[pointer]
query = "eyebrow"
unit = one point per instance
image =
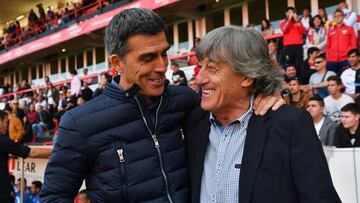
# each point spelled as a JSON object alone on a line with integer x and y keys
{"x": 153, "y": 53}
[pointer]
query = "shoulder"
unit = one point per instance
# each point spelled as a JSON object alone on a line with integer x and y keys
{"x": 287, "y": 115}
{"x": 331, "y": 73}
{"x": 327, "y": 98}
{"x": 182, "y": 96}
{"x": 347, "y": 98}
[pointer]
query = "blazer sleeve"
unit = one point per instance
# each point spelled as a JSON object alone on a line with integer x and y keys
{"x": 68, "y": 164}
{"x": 330, "y": 138}
{"x": 308, "y": 164}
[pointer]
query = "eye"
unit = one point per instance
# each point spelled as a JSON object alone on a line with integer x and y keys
{"x": 212, "y": 69}
{"x": 164, "y": 54}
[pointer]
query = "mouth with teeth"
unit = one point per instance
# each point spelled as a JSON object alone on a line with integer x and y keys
{"x": 207, "y": 92}
{"x": 157, "y": 81}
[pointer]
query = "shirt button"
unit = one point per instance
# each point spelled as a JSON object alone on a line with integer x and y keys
{"x": 127, "y": 94}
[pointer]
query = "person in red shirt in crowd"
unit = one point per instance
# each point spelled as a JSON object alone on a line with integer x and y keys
{"x": 340, "y": 40}
{"x": 293, "y": 32}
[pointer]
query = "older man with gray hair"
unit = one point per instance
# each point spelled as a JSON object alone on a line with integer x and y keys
{"x": 237, "y": 156}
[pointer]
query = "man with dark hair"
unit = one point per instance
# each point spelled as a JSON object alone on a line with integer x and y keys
{"x": 128, "y": 142}
{"x": 296, "y": 97}
{"x": 178, "y": 76}
{"x": 308, "y": 67}
{"x": 336, "y": 100}
{"x": 293, "y": 32}
{"x": 236, "y": 156}
{"x": 35, "y": 189}
{"x": 351, "y": 76}
{"x": 339, "y": 41}
{"x": 324, "y": 126}
{"x": 7, "y": 147}
{"x": 318, "y": 80}
{"x": 348, "y": 133}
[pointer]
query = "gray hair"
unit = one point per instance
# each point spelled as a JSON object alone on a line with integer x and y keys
{"x": 247, "y": 53}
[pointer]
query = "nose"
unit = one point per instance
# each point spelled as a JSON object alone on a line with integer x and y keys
{"x": 161, "y": 65}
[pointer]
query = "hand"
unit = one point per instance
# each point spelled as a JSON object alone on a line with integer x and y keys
{"x": 263, "y": 103}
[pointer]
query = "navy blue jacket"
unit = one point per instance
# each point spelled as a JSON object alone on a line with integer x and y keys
{"x": 107, "y": 143}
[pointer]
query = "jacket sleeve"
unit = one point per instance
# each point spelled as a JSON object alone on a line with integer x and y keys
{"x": 68, "y": 164}
{"x": 286, "y": 25}
{"x": 353, "y": 44}
{"x": 308, "y": 163}
{"x": 17, "y": 130}
{"x": 330, "y": 138}
{"x": 328, "y": 45}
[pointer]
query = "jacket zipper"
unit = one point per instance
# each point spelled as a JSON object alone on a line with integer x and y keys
{"x": 124, "y": 189}
{"x": 182, "y": 134}
{"x": 156, "y": 143}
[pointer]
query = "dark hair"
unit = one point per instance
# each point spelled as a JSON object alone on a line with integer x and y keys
{"x": 352, "y": 107}
{"x": 294, "y": 79}
{"x": 19, "y": 179}
{"x": 313, "y": 19}
{"x": 268, "y": 25}
{"x": 335, "y": 78}
{"x": 73, "y": 71}
{"x": 338, "y": 11}
{"x": 326, "y": 17}
{"x": 175, "y": 64}
{"x": 37, "y": 184}
{"x": 353, "y": 51}
{"x": 321, "y": 56}
{"x": 106, "y": 75}
{"x": 12, "y": 178}
{"x": 3, "y": 114}
{"x": 130, "y": 22}
{"x": 318, "y": 99}
{"x": 311, "y": 50}
{"x": 290, "y": 8}
{"x": 307, "y": 8}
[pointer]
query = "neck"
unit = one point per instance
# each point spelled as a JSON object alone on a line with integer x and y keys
{"x": 339, "y": 24}
{"x": 228, "y": 115}
{"x": 356, "y": 66}
{"x": 336, "y": 95}
{"x": 317, "y": 119}
{"x": 296, "y": 96}
{"x": 322, "y": 70}
{"x": 354, "y": 128}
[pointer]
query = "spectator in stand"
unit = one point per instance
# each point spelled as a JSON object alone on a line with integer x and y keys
{"x": 80, "y": 101}
{"x": 324, "y": 126}
{"x": 31, "y": 114}
{"x": 16, "y": 110}
{"x": 266, "y": 28}
{"x": 62, "y": 101}
{"x": 340, "y": 40}
{"x": 75, "y": 88}
{"x": 87, "y": 79}
{"x": 318, "y": 81}
{"x": 193, "y": 59}
{"x": 86, "y": 92}
{"x": 46, "y": 80}
{"x": 348, "y": 133}
{"x": 316, "y": 36}
{"x": 293, "y": 32}
{"x": 327, "y": 19}
{"x": 178, "y": 76}
{"x": 32, "y": 19}
{"x": 296, "y": 97}
{"x": 306, "y": 18}
{"x": 336, "y": 100}
{"x": 42, "y": 122}
{"x": 52, "y": 95}
{"x": 35, "y": 189}
{"x": 194, "y": 86}
{"x": 350, "y": 16}
{"x": 83, "y": 198}
{"x": 7, "y": 146}
{"x": 26, "y": 192}
{"x": 50, "y": 15}
{"x": 276, "y": 55}
{"x": 41, "y": 13}
{"x": 351, "y": 76}
{"x": 290, "y": 73}
{"x": 40, "y": 101}
{"x": 308, "y": 67}
{"x": 16, "y": 126}
{"x": 105, "y": 77}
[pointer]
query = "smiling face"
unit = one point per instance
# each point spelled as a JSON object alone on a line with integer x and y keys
{"x": 222, "y": 89}
{"x": 145, "y": 63}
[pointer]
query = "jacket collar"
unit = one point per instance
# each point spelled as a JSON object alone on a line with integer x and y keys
{"x": 114, "y": 91}
{"x": 257, "y": 134}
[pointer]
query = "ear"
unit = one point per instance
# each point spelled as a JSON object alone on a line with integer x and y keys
{"x": 116, "y": 62}
{"x": 247, "y": 82}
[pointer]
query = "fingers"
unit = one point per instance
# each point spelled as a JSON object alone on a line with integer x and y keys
{"x": 278, "y": 104}
{"x": 265, "y": 105}
{"x": 257, "y": 101}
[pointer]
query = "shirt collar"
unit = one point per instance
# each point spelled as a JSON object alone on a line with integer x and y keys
{"x": 242, "y": 118}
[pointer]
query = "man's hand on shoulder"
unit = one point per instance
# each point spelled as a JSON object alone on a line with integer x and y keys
{"x": 263, "y": 103}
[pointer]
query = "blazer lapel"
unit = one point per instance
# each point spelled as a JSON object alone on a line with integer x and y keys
{"x": 257, "y": 133}
{"x": 202, "y": 133}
